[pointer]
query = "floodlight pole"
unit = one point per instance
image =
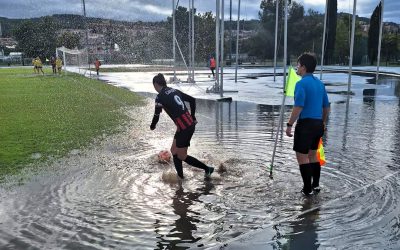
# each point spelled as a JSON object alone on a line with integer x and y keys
{"x": 192, "y": 11}
{"x": 353, "y": 26}
{"x": 276, "y": 36}
{"x": 87, "y": 36}
{"x": 230, "y": 32}
{"x": 173, "y": 38}
{"x": 217, "y": 23}
{"x": 323, "y": 40}
{"x": 380, "y": 41}
{"x": 237, "y": 42}
{"x": 285, "y": 46}
{"x": 221, "y": 89}
{"x": 190, "y": 41}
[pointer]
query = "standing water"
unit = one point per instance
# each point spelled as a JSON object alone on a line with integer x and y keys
{"x": 117, "y": 195}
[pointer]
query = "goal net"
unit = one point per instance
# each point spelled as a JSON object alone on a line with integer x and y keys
{"x": 74, "y": 60}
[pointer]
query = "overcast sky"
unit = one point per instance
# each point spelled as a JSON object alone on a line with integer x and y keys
{"x": 149, "y": 10}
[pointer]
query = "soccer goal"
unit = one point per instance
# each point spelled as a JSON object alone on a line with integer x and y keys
{"x": 74, "y": 60}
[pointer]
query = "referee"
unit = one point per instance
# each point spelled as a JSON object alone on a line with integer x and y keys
{"x": 311, "y": 109}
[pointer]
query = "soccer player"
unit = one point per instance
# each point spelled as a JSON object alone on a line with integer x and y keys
{"x": 39, "y": 65}
{"x": 59, "y": 64}
{"x": 172, "y": 101}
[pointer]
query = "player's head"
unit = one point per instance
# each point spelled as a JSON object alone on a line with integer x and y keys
{"x": 307, "y": 61}
{"x": 159, "y": 82}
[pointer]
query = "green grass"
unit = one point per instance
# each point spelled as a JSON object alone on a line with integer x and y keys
{"x": 48, "y": 116}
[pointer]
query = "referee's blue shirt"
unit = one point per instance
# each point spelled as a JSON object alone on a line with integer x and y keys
{"x": 310, "y": 94}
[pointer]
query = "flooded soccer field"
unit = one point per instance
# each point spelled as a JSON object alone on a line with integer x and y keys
{"x": 117, "y": 195}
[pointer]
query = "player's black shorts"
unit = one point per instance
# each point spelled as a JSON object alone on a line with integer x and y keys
{"x": 183, "y": 137}
{"x": 307, "y": 134}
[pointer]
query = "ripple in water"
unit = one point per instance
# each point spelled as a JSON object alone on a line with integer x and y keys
{"x": 119, "y": 196}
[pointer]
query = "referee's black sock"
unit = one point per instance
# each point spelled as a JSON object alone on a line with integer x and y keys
{"x": 316, "y": 172}
{"x": 195, "y": 163}
{"x": 178, "y": 166}
{"x": 306, "y": 173}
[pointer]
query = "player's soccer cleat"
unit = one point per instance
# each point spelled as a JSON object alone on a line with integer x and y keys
{"x": 209, "y": 172}
{"x": 316, "y": 190}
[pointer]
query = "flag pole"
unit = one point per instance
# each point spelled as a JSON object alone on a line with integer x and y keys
{"x": 284, "y": 91}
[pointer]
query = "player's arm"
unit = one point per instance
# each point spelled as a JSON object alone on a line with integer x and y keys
{"x": 156, "y": 116}
{"x": 192, "y": 102}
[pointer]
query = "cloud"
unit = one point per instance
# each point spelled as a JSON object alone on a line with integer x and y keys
{"x": 156, "y": 10}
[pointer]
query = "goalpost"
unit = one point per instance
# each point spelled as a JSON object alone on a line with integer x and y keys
{"x": 74, "y": 60}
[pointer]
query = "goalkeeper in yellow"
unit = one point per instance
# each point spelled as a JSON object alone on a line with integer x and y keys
{"x": 59, "y": 64}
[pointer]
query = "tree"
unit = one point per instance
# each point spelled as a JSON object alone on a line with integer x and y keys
{"x": 342, "y": 41}
{"x": 389, "y": 46}
{"x": 330, "y": 36}
{"x": 69, "y": 40}
{"x": 343, "y": 36}
{"x": 373, "y": 34}
{"x": 300, "y": 37}
{"x": 204, "y": 28}
{"x": 37, "y": 39}
{"x": 204, "y": 36}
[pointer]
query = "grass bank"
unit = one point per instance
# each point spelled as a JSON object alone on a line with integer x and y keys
{"x": 45, "y": 117}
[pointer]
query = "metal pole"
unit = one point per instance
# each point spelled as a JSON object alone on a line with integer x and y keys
{"x": 323, "y": 40}
{"x": 173, "y": 37}
{"x": 230, "y": 31}
{"x": 190, "y": 43}
{"x": 180, "y": 51}
{"x": 285, "y": 46}
{"x": 237, "y": 42}
{"x": 276, "y": 35}
{"x": 353, "y": 27}
{"x": 192, "y": 40}
{"x": 217, "y": 23}
{"x": 380, "y": 41}
{"x": 221, "y": 93}
{"x": 65, "y": 62}
{"x": 87, "y": 36}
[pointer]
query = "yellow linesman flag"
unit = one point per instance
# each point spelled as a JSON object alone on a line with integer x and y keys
{"x": 321, "y": 153}
{"x": 291, "y": 81}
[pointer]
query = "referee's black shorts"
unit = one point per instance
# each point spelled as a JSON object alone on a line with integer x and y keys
{"x": 183, "y": 137}
{"x": 307, "y": 134}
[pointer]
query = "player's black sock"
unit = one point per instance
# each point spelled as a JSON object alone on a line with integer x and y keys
{"x": 195, "y": 163}
{"x": 306, "y": 173}
{"x": 178, "y": 166}
{"x": 316, "y": 172}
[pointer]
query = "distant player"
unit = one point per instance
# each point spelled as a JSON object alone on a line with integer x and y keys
{"x": 39, "y": 65}
{"x": 97, "y": 65}
{"x": 53, "y": 64}
{"x": 212, "y": 65}
{"x": 59, "y": 64}
{"x": 172, "y": 101}
{"x": 35, "y": 70}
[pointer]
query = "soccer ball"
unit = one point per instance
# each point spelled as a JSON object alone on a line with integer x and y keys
{"x": 164, "y": 156}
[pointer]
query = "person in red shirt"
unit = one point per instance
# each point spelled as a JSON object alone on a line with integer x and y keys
{"x": 212, "y": 65}
{"x": 97, "y": 65}
{"x": 172, "y": 101}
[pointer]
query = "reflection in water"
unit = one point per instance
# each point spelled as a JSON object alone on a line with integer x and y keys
{"x": 304, "y": 229}
{"x": 181, "y": 234}
{"x": 114, "y": 197}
